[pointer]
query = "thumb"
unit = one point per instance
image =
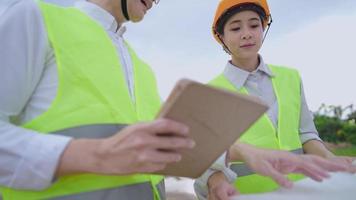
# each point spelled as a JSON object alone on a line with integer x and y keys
{"x": 232, "y": 192}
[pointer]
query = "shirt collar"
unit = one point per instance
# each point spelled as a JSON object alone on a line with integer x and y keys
{"x": 238, "y": 76}
{"x": 263, "y": 67}
{"x": 101, "y": 16}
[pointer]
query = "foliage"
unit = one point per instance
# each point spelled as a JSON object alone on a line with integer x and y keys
{"x": 333, "y": 126}
{"x": 348, "y": 151}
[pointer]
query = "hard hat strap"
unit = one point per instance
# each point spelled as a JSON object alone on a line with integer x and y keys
{"x": 124, "y": 9}
{"x": 268, "y": 27}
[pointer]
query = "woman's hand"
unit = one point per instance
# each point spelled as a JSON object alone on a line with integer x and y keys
{"x": 350, "y": 162}
{"x": 276, "y": 164}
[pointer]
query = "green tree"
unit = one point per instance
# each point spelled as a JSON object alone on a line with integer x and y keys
{"x": 329, "y": 128}
{"x": 333, "y": 126}
{"x": 352, "y": 116}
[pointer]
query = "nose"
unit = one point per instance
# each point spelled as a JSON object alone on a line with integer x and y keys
{"x": 246, "y": 34}
{"x": 149, "y": 4}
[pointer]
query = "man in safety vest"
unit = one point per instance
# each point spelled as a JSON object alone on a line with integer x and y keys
{"x": 72, "y": 95}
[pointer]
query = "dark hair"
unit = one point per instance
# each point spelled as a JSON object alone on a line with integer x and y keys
{"x": 233, "y": 10}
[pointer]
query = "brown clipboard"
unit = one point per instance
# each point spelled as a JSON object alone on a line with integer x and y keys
{"x": 216, "y": 119}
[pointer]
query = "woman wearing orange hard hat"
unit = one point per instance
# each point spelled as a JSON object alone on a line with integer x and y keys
{"x": 240, "y": 26}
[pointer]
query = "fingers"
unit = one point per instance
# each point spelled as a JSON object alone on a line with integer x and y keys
{"x": 353, "y": 167}
{"x": 142, "y": 149}
{"x": 154, "y": 160}
{"x": 161, "y": 134}
{"x": 166, "y": 126}
{"x": 222, "y": 192}
{"x": 349, "y": 162}
{"x": 354, "y": 162}
{"x": 312, "y": 170}
{"x": 156, "y": 156}
{"x": 154, "y": 142}
{"x": 278, "y": 177}
{"x": 172, "y": 143}
{"x": 341, "y": 159}
{"x": 222, "y": 195}
{"x": 232, "y": 191}
{"x": 311, "y": 175}
{"x": 328, "y": 165}
{"x": 174, "y": 138}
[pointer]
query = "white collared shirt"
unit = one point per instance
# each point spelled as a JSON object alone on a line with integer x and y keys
{"x": 28, "y": 85}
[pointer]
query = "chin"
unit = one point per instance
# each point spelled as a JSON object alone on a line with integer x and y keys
{"x": 247, "y": 55}
{"x": 136, "y": 19}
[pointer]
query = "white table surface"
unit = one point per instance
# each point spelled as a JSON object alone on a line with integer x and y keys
{"x": 340, "y": 186}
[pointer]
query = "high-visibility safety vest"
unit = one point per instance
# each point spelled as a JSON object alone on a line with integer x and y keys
{"x": 286, "y": 84}
{"x": 92, "y": 101}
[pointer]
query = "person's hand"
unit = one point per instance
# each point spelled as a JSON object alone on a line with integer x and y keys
{"x": 140, "y": 148}
{"x": 276, "y": 164}
{"x": 350, "y": 162}
{"x": 220, "y": 188}
{"x": 317, "y": 147}
{"x": 223, "y": 191}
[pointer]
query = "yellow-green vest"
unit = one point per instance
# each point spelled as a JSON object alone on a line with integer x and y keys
{"x": 91, "y": 92}
{"x": 286, "y": 85}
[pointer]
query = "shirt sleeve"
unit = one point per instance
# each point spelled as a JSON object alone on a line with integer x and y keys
{"x": 201, "y": 183}
{"x": 28, "y": 160}
{"x": 307, "y": 127}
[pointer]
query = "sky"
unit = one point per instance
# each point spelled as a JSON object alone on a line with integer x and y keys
{"x": 317, "y": 37}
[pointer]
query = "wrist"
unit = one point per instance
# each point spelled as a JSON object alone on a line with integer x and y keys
{"x": 241, "y": 152}
{"x": 216, "y": 179}
{"x": 80, "y": 156}
{"x": 328, "y": 155}
{"x": 317, "y": 147}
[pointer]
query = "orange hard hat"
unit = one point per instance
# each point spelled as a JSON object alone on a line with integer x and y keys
{"x": 226, "y": 5}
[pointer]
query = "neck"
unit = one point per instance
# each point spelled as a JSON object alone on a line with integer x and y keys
{"x": 247, "y": 64}
{"x": 113, "y": 7}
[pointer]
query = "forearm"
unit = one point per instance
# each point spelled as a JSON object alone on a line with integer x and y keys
{"x": 28, "y": 159}
{"x": 317, "y": 147}
{"x": 239, "y": 151}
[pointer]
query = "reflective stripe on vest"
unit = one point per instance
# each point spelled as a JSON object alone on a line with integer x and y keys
{"x": 92, "y": 131}
{"x": 130, "y": 192}
{"x": 91, "y": 90}
{"x": 286, "y": 85}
